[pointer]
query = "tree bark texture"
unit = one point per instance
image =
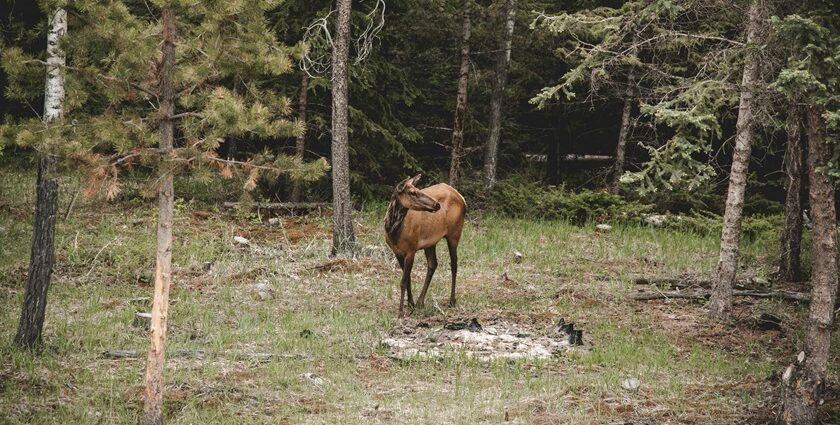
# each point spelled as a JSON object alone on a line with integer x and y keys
{"x": 491, "y": 152}
{"x": 153, "y": 403}
{"x": 791, "y": 241}
{"x": 46, "y": 199}
{"x": 621, "y": 146}
{"x": 344, "y": 240}
{"x": 461, "y": 102}
{"x": 804, "y": 381}
{"x": 300, "y": 141}
{"x": 720, "y": 304}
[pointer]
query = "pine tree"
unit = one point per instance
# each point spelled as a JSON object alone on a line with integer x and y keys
{"x": 131, "y": 91}
{"x": 502, "y": 67}
{"x": 720, "y": 302}
{"x": 457, "y": 144}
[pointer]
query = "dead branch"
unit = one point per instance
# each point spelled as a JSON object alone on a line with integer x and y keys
{"x": 664, "y": 295}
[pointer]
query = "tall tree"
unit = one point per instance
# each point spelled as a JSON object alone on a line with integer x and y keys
{"x": 720, "y": 302}
{"x": 813, "y": 76}
{"x": 153, "y": 404}
{"x": 502, "y": 68}
{"x": 791, "y": 240}
{"x": 344, "y": 239}
{"x": 46, "y": 200}
{"x": 461, "y": 100}
{"x": 804, "y": 381}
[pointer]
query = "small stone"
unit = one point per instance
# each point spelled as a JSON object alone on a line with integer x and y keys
{"x": 655, "y": 220}
{"x": 264, "y": 291}
{"x": 313, "y": 379}
{"x": 273, "y": 221}
{"x": 631, "y": 384}
{"x": 241, "y": 242}
{"x": 603, "y": 228}
{"x": 142, "y": 320}
{"x": 517, "y": 257}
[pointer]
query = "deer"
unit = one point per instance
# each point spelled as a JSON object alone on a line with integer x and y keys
{"x": 418, "y": 219}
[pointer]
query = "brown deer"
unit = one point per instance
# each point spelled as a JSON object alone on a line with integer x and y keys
{"x": 418, "y": 219}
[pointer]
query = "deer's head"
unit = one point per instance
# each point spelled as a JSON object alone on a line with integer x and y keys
{"x": 411, "y": 198}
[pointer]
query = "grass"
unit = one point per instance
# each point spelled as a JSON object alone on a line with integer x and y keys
{"x": 331, "y": 314}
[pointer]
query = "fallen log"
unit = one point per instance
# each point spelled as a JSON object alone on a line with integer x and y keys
{"x": 116, "y": 354}
{"x": 286, "y": 206}
{"x": 663, "y": 295}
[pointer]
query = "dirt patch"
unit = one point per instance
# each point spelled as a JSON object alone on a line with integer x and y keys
{"x": 496, "y": 339}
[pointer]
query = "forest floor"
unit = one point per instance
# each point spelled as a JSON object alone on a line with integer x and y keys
{"x": 281, "y": 333}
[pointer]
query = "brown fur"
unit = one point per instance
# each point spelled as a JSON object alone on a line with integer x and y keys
{"x": 419, "y": 219}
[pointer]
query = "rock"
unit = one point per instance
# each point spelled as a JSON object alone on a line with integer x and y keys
{"x": 655, "y": 220}
{"x": 631, "y": 384}
{"x": 264, "y": 291}
{"x": 376, "y": 251}
{"x": 761, "y": 281}
{"x": 313, "y": 379}
{"x": 517, "y": 257}
{"x": 142, "y": 320}
{"x": 241, "y": 242}
{"x": 274, "y": 221}
{"x": 603, "y": 228}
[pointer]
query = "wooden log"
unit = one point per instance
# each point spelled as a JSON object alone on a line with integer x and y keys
{"x": 787, "y": 295}
{"x": 288, "y": 206}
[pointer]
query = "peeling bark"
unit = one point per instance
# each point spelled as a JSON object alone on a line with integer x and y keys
{"x": 461, "y": 102}
{"x": 153, "y": 403}
{"x": 42, "y": 255}
{"x": 491, "y": 152}
{"x": 344, "y": 240}
{"x": 720, "y": 304}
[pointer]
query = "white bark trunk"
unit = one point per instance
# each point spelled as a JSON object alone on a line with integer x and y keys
{"x": 54, "y": 87}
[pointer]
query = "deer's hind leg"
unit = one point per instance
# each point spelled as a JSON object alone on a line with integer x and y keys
{"x": 431, "y": 266}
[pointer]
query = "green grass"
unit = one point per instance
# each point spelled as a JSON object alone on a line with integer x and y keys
{"x": 331, "y": 319}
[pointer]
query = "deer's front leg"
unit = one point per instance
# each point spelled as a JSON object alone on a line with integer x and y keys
{"x": 405, "y": 283}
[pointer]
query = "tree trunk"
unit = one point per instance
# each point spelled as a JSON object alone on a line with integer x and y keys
{"x": 502, "y": 67}
{"x": 152, "y": 409}
{"x": 789, "y": 261}
{"x": 461, "y": 102}
{"x": 804, "y": 381}
{"x": 46, "y": 199}
{"x": 720, "y": 304}
{"x": 344, "y": 240}
{"x": 300, "y": 142}
{"x": 621, "y": 147}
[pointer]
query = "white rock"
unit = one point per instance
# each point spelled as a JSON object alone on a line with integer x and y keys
{"x": 313, "y": 379}
{"x": 241, "y": 241}
{"x": 603, "y": 228}
{"x": 273, "y": 221}
{"x": 655, "y": 220}
{"x": 631, "y": 384}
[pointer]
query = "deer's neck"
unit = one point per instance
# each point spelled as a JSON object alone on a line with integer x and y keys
{"x": 394, "y": 219}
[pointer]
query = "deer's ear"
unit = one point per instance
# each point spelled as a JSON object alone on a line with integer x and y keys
{"x": 401, "y": 185}
{"x": 415, "y": 179}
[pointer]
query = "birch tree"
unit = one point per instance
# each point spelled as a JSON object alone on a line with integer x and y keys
{"x": 46, "y": 199}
